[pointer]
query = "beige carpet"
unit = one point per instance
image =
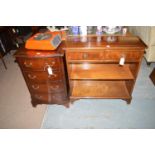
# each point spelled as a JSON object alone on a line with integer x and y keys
{"x": 16, "y": 110}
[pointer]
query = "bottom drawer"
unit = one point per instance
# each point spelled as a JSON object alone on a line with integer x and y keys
{"x": 49, "y": 97}
{"x": 53, "y": 87}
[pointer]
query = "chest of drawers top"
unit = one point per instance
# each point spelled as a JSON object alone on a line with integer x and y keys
{"x": 25, "y": 53}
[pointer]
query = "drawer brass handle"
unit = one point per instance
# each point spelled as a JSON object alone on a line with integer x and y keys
{"x": 31, "y": 76}
{"x": 85, "y": 56}
{"x": 35, "y": 86}
{"x": 54, "y": 87}
{"x": 38, "y": 96}
{"x": 55, "y": 75}
{"x": 28, "y": 64}
{"x": 54, "y": 97}
{"x": 53, "y": 62}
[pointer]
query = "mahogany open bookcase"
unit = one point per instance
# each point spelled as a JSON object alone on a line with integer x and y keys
{"x": 95, "y": 69}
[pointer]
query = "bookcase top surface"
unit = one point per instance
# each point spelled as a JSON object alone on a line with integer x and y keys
{"x": 104, "y": 42}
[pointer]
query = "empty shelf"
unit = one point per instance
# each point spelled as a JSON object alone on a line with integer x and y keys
{"x": 100, "y": 71}
{"x": 99, "y": 89}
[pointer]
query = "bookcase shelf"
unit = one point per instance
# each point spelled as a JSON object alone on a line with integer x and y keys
{"x": 100, "y": 72}
{"x": 99, "y": 89}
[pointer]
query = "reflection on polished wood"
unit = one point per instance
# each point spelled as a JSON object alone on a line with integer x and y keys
{"x": 99, "y": 89}
{"x": 100, "y": 71}
{"x": 123, "y": 42}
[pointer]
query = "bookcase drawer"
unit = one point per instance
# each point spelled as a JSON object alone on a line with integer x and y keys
{"x": 85, "y": 55}
{"x": 131, "y": 56}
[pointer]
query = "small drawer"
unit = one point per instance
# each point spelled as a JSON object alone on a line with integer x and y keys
{"x": 38, "y": 87}
{"x": 92, "y": 55}
{"x": 41, "y": 97}
{"x": 56, "y": 87}
{"x": 130, "y": 56}
{"x": 46, "y": 88}
{"x": 42, "y": 77}
{"x": 39, "y": 64}
{"x": 50, "y": 97}
{"x": 58, "y": 96}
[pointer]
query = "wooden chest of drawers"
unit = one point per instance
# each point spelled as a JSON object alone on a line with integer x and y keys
{"x": 44, "y": 87}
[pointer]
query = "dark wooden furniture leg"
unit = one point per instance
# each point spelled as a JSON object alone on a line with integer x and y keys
{"x": 128, "y": 101}
{"x": 3, "y": 61}
{"x": 72, "y": 101}
{"x": 152, "y": 76}
{"x": 67, "y": 105}
{"x": 34, "y": 102}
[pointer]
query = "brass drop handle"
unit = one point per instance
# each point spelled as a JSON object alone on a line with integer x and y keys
{"x": 55, "y": 75}
{"x": 54, "y": 97}
{"x": 31, "y": 76}
{"x": 85, "y": 55}
{"x": 28, "y": 64}
{"x": 53, "y": 62}
{"x": 54, "y": 87}
{"x": 35, "y": 86}
{"x": 38, "y": 96}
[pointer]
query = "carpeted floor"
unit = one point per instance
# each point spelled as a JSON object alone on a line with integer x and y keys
{"x": 113, "y": 114}
{"x": 16, "y": 110}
